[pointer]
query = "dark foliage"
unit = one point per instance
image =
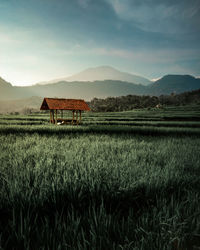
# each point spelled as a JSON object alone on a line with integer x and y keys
{"x": 129, "y": 102}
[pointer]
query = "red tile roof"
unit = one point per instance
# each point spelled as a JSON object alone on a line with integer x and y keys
{"x": 64, "y": 104}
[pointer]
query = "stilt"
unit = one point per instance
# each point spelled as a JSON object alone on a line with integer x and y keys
{"x": 53, "y": 116}
{"x": 80, "y": 116}
{"x": 73, "y": 117}
{"x": 56, "y": 117}
{"x": 76, "y": 116}
{"x": 50, "y": 116}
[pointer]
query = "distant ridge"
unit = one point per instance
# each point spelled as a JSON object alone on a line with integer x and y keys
{"x": 175, "y": 84}
{"x": 87, "y": 90}
{"x": 102, "y": 73}
{"x": 119, "y": 103}
{"x": 4, "y": 84}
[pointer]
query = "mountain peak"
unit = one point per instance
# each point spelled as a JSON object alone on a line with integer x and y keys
{"x": 102, "y": 73}
{"x": 101, "y": 88}
{"x": 104, "y": 67}
{"x": 175, "y": 83}
{"x": 170, "y": 77}
{"x": 107, "y": 73}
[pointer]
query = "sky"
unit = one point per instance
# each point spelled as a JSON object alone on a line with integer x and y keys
{"x": 41, "y": 40}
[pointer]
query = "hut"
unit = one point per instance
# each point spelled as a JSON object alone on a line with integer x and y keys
{"x": 57, "y": 105}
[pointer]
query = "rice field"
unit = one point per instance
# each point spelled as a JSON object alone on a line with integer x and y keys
{"x": 124, "y": 180}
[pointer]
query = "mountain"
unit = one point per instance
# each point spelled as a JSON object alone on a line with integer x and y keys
{"x": 6, "y": 90}
{"x": 103, "y": 73}
{"x": 100, "y": 89}
{"x": 119, "y": 103}
{"x": 174, "y": 84}
{"x": 22, "y": 97}
{"x": 4, "y": 84}
{"x": 83, "y": 90}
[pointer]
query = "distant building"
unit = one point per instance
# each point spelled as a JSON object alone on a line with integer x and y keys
{"x": 57, "y": 104}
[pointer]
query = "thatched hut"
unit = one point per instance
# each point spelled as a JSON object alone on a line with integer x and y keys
{"x": 56, "y": 105}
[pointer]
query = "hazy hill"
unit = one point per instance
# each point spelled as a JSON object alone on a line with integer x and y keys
{"x": 100, "y": 89}
{"x": 84, "y": 90}
{"x": 20, "y": 105}
{"x": 174, "y": 84}
{"x": 7, "y": 91}
{"x": 103, "y": 73}
{"x": 120, "y": 103}
{"x": 4, "y": 84}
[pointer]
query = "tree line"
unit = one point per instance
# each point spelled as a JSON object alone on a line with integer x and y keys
{"x": 129, "y": 102}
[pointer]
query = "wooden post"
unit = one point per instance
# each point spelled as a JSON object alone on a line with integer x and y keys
{"x": 73, "y": 117}
{"x": 53, "y": 116}
{"x": 76, "y": 116}
{"x": 50, "y": 116}
{"x": 56, "y": 117}
{"x": 80, "y": 116}
{"x": 62, "y": 114}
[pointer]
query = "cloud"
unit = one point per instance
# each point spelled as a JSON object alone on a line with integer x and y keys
{"x": 84, "y": 3}
{"x": 150, "y": 56}
{"x": 46, "y": 37}
{"x": 160, "y": 16}
{"x": 8, "y": 39}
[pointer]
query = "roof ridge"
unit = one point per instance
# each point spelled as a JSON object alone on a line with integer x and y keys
{"x": 65, "y": 104}
{"x": 64, "y": 99}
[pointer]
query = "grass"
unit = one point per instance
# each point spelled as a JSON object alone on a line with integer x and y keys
{"x": 99, "y": 186}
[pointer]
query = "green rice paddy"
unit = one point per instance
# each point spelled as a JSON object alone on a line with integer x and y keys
{"x": 124, "y": 180}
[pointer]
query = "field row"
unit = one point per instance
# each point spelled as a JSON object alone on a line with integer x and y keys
{"x": 98, "y": 191}
{"x": 127, "y": 180}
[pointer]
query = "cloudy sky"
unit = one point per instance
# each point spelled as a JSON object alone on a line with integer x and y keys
{"x": 47, "y": 39}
